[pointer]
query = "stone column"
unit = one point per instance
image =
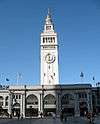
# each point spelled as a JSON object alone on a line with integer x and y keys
{"x": 88, "y": 105}
{"x": 77, "y": 111}
{"x": 91, "y": 107}
{"x": 40, "y": 105}
{"x": 10, "y": 103}
{"x": 89, "y": 101}
{"x": 4, "y": 101}
{"x": 58, "y": 104}
{"x": 22, "y": 105}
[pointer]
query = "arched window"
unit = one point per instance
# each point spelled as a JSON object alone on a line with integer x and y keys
{"x": 49, "y": 99}
{"x": 32, "y": 99}
{"x": 16, "y": 105}
{"x": 67, "y": 98}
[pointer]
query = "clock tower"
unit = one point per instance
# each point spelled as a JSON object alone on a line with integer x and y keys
{"x": 49, "y": 54}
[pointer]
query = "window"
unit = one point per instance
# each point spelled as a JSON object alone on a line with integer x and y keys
{"x": 79, "y": 95}
{"x": 19, "y": 96}
{"x": 16, "y": 96}
{"x": 32, "y": 99}
{"x": 51, "y": 39}
{"x": 49, "y": 99}
{"x": 48, "y": 27}
{"x": 82, "y": 95}
{"x": 49, "y": 66}
{"x": 43, "y": 40}
{"x": 54, "y": 39}
{"x": 44, "y": 74}
{"x": 6, "y": 101}
{"x": 1, "y": 103}
{"x": 46, "y": 40}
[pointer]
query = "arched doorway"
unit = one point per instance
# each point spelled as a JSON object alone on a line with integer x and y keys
{"x": 67, "y": 105}
{"x": 16, "y": 109}
{"x": 31, "y": 106}
{"x": 6, "y": 104}
{"x": 49, "y": 103}
{"x": 83, "y": 108}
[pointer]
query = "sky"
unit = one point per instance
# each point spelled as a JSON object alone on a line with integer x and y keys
{"x": 77, "y": 23}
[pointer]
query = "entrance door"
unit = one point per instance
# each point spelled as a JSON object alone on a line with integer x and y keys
{"x": 83, "y": 108}
{"x": 49, "y": 111}
{"x": 16, "y": 112}
{"x": 68, "y": 111}
{"x": 31, "y": 112}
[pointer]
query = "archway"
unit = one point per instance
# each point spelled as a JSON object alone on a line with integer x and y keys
{"x": 16, "y": 109}
{"x": 67, "y": 105}
{"x": 31, "y": 106}
{"x": 83, "y": 108}
{"x": 5, "y": 111}
{"x": 49, "y": 104}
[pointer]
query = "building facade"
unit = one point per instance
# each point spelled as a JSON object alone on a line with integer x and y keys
{"x": 50, "y": 97}
{"x": 30, "y": 101}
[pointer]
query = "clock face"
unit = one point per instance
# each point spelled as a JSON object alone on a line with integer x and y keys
{"x": 50, "y": 58}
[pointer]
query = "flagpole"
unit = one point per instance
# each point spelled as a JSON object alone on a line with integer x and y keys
{"x": 82, "y": 76}
{"x": 94, "y": 80}
{"x": 17, "y": 78}
{"x": 82, "y": 79}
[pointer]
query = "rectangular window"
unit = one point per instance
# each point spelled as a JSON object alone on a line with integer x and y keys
{"x": 1, "y": 103}
{"x": 43, "y": 40}
{"x": 16, "y": 96}
{"x": 85, "y": 95}
{"x": 79, "y": 95}
{"x": 54, "y": 39}
{"x": 19, "y": 96}
{"x": 6, "y": 103}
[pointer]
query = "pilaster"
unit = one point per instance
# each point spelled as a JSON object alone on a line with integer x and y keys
{"x": 22, "y": 105}
{"x": 77, "y": 110}
{"x": 40, "y": 109}
{"x": 58, "y": 104}
{"x": 10, "y": 103}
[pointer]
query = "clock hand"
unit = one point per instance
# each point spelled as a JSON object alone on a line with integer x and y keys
{"x": 51, "y": 76}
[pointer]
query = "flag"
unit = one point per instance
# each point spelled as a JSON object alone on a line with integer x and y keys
{"x": 82, "y": 75}
{"x": 93, "y": 78}
{"x": 7, "y": 79}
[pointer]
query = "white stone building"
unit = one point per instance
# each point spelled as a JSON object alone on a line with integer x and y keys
{"x": 49, "y": 97}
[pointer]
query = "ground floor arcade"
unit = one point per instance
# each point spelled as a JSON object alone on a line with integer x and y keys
{"x": 47, "y": 101}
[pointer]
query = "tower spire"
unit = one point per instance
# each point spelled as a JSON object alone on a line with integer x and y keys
{"x": 49, "y": 13}
{"x": 48, "y": 18}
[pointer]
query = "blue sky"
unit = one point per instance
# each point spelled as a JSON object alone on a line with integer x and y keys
{"x": 77, "y": 23}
